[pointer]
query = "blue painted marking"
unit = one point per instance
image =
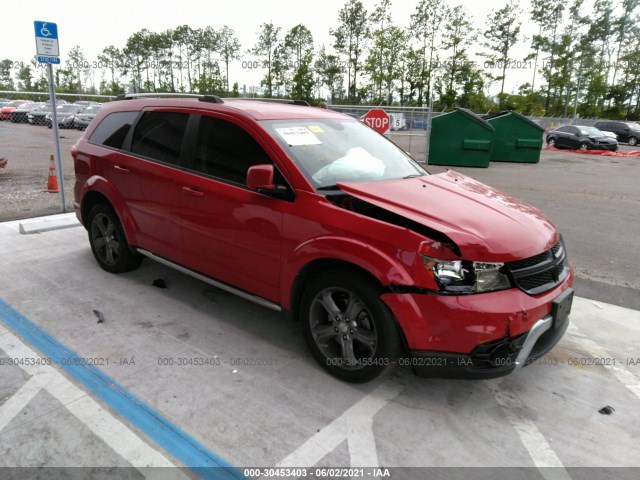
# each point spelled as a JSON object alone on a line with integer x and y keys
{"x": 167, "y": 435}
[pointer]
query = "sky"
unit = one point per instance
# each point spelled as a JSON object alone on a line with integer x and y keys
{"x": 113, "y": 22}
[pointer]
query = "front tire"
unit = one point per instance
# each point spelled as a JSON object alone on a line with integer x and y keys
{"x": 633, "y": 141}
{"x": 349, "y": 330}
{"x": 108, "y": 242}
{"x": 551, "y": 142}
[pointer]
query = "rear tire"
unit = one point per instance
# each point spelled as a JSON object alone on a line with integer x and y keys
{"x": 633, "y": 141}
{"x": 349, "y": 330}
{"x": 108, "y": 242}
{"x": 584, "y": 146}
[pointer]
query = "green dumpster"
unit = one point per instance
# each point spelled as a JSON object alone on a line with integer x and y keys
{"x": 460, "y": 138}
{"x": 517, "y": 139}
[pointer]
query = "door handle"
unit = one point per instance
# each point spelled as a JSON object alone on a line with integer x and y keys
{"x": 121, "y": 169}
{"x": 193, "y": 191}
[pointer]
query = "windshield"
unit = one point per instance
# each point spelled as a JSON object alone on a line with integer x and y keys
{"x": 633, "y": 126}
{"x": 591, "y": 132}
{"x": 329, "y": 151}
{"x": 95, "y": 109}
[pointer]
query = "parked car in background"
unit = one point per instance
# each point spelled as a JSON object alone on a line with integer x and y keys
{"x": 19, "y": 115}
{"x": 627, "y": 132}
{"x": 86, "y": 103}
{"x": 578, "y": 137}
{"x": 609, "y": 134}
{"x": 309, "y": 212}
{"x": 65, "y": 114}
{"x": 82, "y": 119}
{"x": 5, "y": 112}
{"x": 38, "y": 116}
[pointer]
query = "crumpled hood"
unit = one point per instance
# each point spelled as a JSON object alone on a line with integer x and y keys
{"x": 486, "y": 224}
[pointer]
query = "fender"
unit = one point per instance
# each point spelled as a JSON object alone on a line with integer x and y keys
{"x": 100, "y": 184}
{"x": 386, "y": 269}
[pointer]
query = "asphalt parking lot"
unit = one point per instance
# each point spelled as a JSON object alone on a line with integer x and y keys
{"x": 192, "y": 376}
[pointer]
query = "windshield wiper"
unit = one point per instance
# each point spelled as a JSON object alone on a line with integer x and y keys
{"x": 414, "y": 175}
{"x": 329, "y": 187}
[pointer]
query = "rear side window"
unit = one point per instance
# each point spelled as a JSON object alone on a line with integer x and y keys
{"x": 159, "y": 135}
{"x": 226, "y": 151}
{"x": 113, "y": 129}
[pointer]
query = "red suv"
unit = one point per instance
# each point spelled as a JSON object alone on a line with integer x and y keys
{"x": 314, "y": 214}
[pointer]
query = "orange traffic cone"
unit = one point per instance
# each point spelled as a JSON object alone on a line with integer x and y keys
{"x": 52, "y": 179}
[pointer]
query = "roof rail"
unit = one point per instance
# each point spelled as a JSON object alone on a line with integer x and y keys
{"x": 202, "y": 98}
{"x": 276, "y": 100}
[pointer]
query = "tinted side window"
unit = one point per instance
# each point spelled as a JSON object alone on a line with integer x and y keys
{"x": 226, "y": 151}
{"x": 565, "y": 129}
{"x": 113, "y": 129}
{"x": 159, "y": 135}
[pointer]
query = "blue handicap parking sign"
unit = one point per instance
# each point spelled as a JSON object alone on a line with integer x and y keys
{"x": 46, "y": 29}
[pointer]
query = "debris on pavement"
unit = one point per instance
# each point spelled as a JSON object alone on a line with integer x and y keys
{"x": 100, "y": 316}
{"x": 160, "y": 283}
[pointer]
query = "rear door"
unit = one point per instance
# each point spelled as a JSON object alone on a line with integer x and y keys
{"x": 230, "y": 232}
{"x": 145, "y": 176}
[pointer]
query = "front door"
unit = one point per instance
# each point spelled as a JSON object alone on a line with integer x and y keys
{"x": 229, "y": 232}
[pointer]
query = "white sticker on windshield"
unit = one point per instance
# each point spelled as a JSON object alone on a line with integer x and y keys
{"x": 296, "y": 136}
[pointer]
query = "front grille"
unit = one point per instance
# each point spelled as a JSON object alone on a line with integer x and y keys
{"x": 541, "y": 272}
{"x": 531, "y": 261}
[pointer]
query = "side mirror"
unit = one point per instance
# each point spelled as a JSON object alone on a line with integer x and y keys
{"x": 260, "y": 179}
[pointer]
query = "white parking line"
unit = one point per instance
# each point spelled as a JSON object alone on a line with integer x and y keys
{"x": 623, "y": 375}
{"x": 541, "y": 453}
{"x": 112, "y": 431}
{"x": 14, "y": 405}
{"x": 354, "y": 425}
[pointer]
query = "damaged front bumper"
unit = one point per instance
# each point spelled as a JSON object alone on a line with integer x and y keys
{"x": 494, "y": 359}
{"x": 480, "y": 336}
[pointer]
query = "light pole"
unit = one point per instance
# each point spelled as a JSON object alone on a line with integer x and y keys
{"x": 575, "y": 103}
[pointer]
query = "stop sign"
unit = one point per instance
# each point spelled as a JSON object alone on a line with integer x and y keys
{"x": 377, "y": 119}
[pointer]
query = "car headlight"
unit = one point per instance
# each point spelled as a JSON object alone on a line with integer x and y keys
{"x": 464, "y": 276}
{"x": 47, "y": 116}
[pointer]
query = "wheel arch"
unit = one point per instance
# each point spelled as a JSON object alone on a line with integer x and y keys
{"x": 97, "y": 190}
{"x": 320, "y": 265}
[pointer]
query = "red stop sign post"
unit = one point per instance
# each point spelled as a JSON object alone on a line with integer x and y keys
{"x": 377, "y": 119}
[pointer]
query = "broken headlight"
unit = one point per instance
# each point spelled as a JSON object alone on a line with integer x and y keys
{"x": 464, "y": 276}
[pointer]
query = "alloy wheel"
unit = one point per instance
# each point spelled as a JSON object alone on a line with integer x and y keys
{"x": 342, "y": 328}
